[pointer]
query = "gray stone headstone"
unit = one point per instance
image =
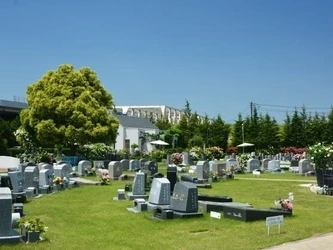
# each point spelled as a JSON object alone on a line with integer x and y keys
{"x": 203, "y": 170}
{"x": 63, "y": 171}
{"x": 125, "y": 163}
{"x": 23, "y": 165}
{"x": 5, "y": 211}
{"x": 168, "y": 159}
{"x": 273, "y": 164}
{"x": 186, "y": 158}
{"x": 16, "y": 178}
{"x": 185, "y": 197}
{"x": 232, "y": 163}
{"x": 211, "y": 164}
{"x": 219, "y": 168}
{"x": 134, "y": 165}
{"x": 115, "y": 170}
{"x": 160, "y": 191}
{"x": 152, "y": 167}
{"x": 304, "y": 166}
{"x": 44, "y": 165}
{"x": 142, "y": 163}
{"x": 31, "y": 177}
{"x": 139, "y": 184}
{"x": 264, "y": 164}
{"x": 252, "y": 164}
{"x": 45, "y": 177}
{"x": 98, "y": 164}
{"x": 294, "y": 163}
{"x": 84, "y": 167}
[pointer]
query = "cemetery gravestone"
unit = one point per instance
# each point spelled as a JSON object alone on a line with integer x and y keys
{"x": 252, "y": 164}
{"x": 203, "y": 170}
{"x": 152, "y": 167}
{"x": 159, "y": 193}
{"x": 168, "y": 159}
{"x": 134, "y": 165}
{"x": 232, "y": 163}
{"x": 45, "y": 177}
{"x": 84, "y": 167}
{"x": 6, "y": 233}
{"x": 219, "y": 168}
{"x": 125, "y": 164}
{"x": 184, "y": 201}
{"x": 23, "y": 166}
{"x": 264, "y": 164}
{"x": 294, "y": 166}
{"x": 142, "y": 163}
{"x": 273, "y": 165}
{"x": 186, "y": 158}
{"x": 44, "y": 165}
{"x": 63, "y": 171}
{"x": 172, "y": 177}
{"x": 31, "y": 177}
{"x": 138, "y": 187}
{"x": 115, "y": 170}
{"x": 16, "y": 179}
{"x": 304, "y": 166}
{"x": 98, "y": 164}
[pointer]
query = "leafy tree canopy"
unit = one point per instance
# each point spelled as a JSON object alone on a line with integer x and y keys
{"x": 68, "y": 106}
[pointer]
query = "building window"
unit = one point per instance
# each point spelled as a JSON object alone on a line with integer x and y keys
{"x": 127, "y": 144}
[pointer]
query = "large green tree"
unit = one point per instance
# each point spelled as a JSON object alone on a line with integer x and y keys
{"x": 68, "y": 106}
{"x": 237, "y": 131}
{"x": 219, "y": 133}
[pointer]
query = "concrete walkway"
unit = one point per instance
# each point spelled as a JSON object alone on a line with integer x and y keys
{"x": 320, "y": 242}
{"x": 266, "y": 179}
{"x": 84, "y": 181}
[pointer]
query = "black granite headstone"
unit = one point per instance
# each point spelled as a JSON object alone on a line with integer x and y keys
{"x": 151, "y": 166}
{"x": 184, "y": 198}
{"x": 172, "y": 177}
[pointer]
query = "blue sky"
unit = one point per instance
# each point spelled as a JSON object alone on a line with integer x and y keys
{"x": 220, "y": 55}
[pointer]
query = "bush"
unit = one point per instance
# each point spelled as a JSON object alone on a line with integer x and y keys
{"x": 158, "y": 155}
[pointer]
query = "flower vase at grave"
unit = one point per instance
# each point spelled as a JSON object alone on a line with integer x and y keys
{"x": 60, "y": 187}
{"x": 33, "y": 236}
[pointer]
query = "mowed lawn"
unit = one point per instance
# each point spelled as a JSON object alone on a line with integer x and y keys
{"x": 88, "y": 218}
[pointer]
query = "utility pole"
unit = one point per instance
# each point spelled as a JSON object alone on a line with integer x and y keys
{"x": 251, "y": 109}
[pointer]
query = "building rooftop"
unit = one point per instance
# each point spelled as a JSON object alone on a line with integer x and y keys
{"x": 135, "y": 122}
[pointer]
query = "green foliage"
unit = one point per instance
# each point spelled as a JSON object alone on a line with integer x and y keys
{"x": 196, "y": 153}
{"x": 158, "y": 155}
{"x": 95, "y": 151}
{"x": 32, "y": 224}
{"x": 69, "y": 106}
{"x": 7, "y": 129}
{"x": 213, "y": 153}
{"x": 321, "y": 155}
{"x": 242, "y": 159}
{"x": 196, "y": 141}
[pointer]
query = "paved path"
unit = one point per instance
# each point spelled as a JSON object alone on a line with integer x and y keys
{"x": 266, "y": 179}
{"x": 84, "y": 181}
{"x": 320, "y": 242}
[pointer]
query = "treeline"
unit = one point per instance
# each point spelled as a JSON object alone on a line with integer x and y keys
{"x": 299, "y": 130}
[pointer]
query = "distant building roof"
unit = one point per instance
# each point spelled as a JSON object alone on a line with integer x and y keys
{"x": 13, "y": 104}
{"x": 135, "y": 122}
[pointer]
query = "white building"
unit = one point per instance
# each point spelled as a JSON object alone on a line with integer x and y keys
{"x": 132, "y": 130}
{"x": 172, "y": 114}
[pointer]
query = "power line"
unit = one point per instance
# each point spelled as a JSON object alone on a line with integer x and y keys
{"x": 290, "y": 107}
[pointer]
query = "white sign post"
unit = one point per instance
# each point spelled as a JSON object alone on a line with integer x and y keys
{"x": 274, "y": 220}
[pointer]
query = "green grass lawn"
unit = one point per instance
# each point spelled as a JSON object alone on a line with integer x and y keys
{"x": 88, "y": 218}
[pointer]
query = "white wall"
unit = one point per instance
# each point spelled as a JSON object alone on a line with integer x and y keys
{"x": 133, "y": 135}
{"x": 120, "y": 141}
